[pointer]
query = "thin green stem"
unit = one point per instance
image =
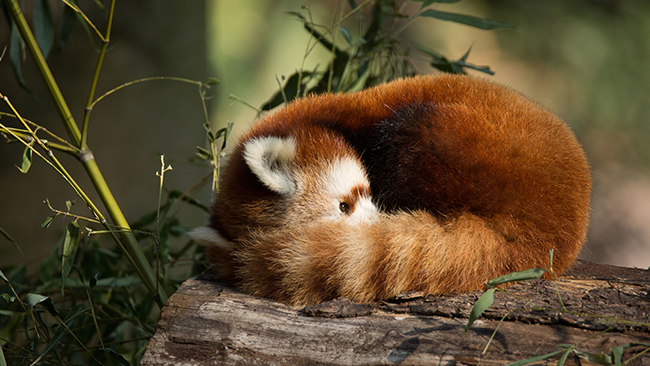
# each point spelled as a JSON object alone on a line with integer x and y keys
{"x": 92, "y": 105}
{"x": 144, "y": 327}
{"x": 238, "y": 99}
{"x": 26, "y": 137}
{"x": 53, "y": 162}
{"x": 557, "y": 289}
{"x": 495, "y": 333}
{"x": 92, "y": 307}
{"x": 335, "y": 34}
{"x": 76, "y": 338}
{"x": 81, "y": 13}
{"x": 93, "y": 85}
{"x": 637, "y": 355}
{"x": 338, "y": 23}
{"x": 66, "y": 146}
{"x": 132, "y": 247}
{"x": 161, "y": 175}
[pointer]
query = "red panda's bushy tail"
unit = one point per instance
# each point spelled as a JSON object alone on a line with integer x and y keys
{"x": 372, "y": 261}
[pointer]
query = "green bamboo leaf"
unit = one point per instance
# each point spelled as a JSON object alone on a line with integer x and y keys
{"x": 27, "y": 160}
{"x": 604, "y": 360}
{"x": 462, "y": 62}
{"x": 426, "y": 3}
{"x": 11, "y": 240}
{"x": 617, "y": 354}
{"x": 226, "y": 137}
{"x": 17, "y": 53}
{"x": 68, "y": 20}
{"x": 220, "y": 133}
{"x": 12, "y": 321}
{"x": 3, "y": 362}
{"x": 535, "y": 359}
{"x": 226, "y": 134}
{"x": 289, "y": 90}
{"x": 562, "y": 359}
{"x": 48, "y": 304}
{"x": 70, "y": 246}
{"x": 479, "y": 307}
{"x": 211, "y": 81}
{"x": 43, "y": 27}
{"x": 346, "y": 34}
{"x": 192, "y": 201}
{"x": 48, "y": 221}
{"x": 481, "y": 23}
{"x": 118, "y": 281}
{"x": 485, "y": 69}
{"x": 203, "y": 153}
{"x": 441, "y": 63}
{"x": 93, "y": 280}
{"x": 550, "y": 260}
{"x": 73, "y": 313}
{"x": 2, "y": 275}
{"x": 465, "y": 56}
{"x": 527, "y": 275}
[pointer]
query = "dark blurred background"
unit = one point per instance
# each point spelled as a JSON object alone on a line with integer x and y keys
{"x": 586, "y": 60}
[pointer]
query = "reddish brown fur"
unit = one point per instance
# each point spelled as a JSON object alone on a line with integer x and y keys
{"x": 476, "y": 180}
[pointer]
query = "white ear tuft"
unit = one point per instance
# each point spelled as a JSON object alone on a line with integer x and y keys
{"x": 208, "y": 236}
{"x": 269, "y": 158}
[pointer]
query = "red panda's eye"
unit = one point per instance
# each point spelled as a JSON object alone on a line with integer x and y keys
{"x": 344, "y": 207}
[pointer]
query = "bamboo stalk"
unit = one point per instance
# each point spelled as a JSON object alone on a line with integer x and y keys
{"x": 61, "y": 106}
{"x": 129, "y": 243}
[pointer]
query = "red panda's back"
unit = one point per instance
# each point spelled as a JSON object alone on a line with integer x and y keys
{"x": 456, "y": 145}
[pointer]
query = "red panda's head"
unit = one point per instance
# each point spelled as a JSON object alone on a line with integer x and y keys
{"x": 299, "y": 178}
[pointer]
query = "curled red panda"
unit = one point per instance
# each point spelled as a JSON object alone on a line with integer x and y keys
{"x": 472, "y": 181}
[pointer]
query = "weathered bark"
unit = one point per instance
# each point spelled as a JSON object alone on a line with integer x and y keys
{"x": 207, "y": 323}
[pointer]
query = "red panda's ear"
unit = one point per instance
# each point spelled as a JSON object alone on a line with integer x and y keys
{"x": 269, "y": 158}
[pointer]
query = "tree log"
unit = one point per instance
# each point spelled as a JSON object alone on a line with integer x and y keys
{"x": 208, "y": 323}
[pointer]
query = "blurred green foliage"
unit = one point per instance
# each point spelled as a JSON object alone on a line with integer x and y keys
{"x": 594, "y": 54}
{"x": 370, "y": 51}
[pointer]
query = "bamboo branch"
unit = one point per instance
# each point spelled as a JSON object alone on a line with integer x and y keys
{"x": 93, "y": 85}
{"x": 26, "y": 137}
{"x": 130, "y": 245}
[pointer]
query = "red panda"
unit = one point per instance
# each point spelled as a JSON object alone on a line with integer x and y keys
{"x": 432, "y": 184}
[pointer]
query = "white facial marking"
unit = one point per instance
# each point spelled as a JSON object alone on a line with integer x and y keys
{"x": 346, "y": 175}
{"x": 343, "y": 175}
{"x": 268, "y": 158}
{"x": 364, "y": 211}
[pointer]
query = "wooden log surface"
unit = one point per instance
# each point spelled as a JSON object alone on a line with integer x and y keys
{"x": 208, "y": 323}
